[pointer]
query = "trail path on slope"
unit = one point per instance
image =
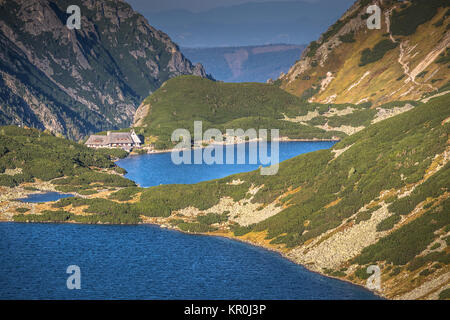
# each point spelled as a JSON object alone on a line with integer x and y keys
{"x": 403, "y": 52}
{"x": 402, "y": 49}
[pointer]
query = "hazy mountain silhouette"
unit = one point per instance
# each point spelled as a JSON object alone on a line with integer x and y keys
{"x": 249, "y": 24}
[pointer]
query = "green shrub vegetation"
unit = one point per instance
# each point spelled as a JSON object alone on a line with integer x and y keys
{"x": 426, "y": 272}
{"x": 435, "y": 186}
{"x": 444, "y": 57}
{"x": 195, "y": 227}
{"x": 102, "y": 210}
{"x": 355, "y": 119}
{"x": 87, "y": 192}
{"x": 31, "y": 189}
{"x": 219, "y": 105}
{"x": 403, "y": 244}
{"x": 241, "y": 230}
{"x": 308, "y": 93}
{"x": 212, "y": 218}
{"x": 444, "y": 294}
{"x": 363, "y": 216}
{"x": 15, "y": 180}
{"x": 28, "y": 149}
{"x": 377, "y": 52}
{"x": 160, "y": 201}
{"x": 334, "y": 273}
{"x": 362, "y": 273}
{"x": 338, "y": 273}
{"x": 419, "y": 262}
{"x": 447, "y": 240}
{"x": 312, "y": 49}
{"x": 89, "y": 177}
{"x": 404, "y": 22}
{"x": 395, "y": 271}
{"x": 45, "y": 216}
{"x": 22, "y": 210}
{"x": 348, "y": 38}
{"x": 125, "y": 194}
{"x": 435, "y": 246}
{"x": 69, "y": 188}
{"x": 389, "y": 154}
{"x": 380, "y": 156}
{"x": 176, "y": 222}
{"x": 422, "y": 74}
{"x": 388, "y": 223}
{"x": 186, "y": 99}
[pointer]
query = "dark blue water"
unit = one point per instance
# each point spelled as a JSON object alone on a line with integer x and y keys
{"x": 45, "y": 197}
{"x": 155, "y": 169}
{"x": 146, "y": 262}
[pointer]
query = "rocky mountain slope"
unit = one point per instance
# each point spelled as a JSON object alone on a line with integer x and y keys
{"x": 182, "y": 100}
{"x": 76, "y": 82}
{"x": 407, "y": 59}
{"x": 246, "y": 64}
{"x": 379, "y": 197}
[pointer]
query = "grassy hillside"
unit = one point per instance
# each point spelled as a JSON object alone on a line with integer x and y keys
{"x": 29, "y": 155}
{"x": 380, "y": 196}
{"x": 390, "y": 187}
{"x": 388, "y": 155}
{"x": 222, "y": 105}
{"x": 185, "y": 99}
{"x": 404, "y": 60}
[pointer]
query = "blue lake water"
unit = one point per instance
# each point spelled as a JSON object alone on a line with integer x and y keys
{"x": 146, "y": 262}
{"x": 45, "y": 197}
{"x": 155, "y": 169}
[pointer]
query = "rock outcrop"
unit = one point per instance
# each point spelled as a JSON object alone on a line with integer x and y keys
{"x": 77, "y": 81}
{"x": 406, "y": 59}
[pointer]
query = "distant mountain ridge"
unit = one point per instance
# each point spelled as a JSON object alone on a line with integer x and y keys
{"x": 252, "y": 23}
{"x": 75, "y": 82}
{"x": 407, "y": 59}
{"x": 246, "y": 64}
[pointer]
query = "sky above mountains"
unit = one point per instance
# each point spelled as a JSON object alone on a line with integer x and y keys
{"x": 218, "y": 23}
{"x": 193, "y": 5}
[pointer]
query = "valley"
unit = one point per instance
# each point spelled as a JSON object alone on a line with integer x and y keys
{"x": 376, "y": 196}
{"x": 247, "y": 63}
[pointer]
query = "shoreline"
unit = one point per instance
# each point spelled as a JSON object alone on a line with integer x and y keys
{"x": 225, "y": 143}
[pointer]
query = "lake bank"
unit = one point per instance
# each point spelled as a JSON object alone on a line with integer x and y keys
{"x": 225, "y": 143}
